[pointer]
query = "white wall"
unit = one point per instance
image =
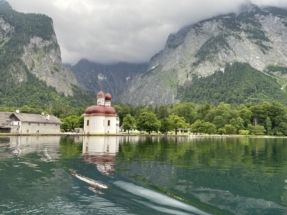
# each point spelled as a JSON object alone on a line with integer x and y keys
{"x": 112, "y": 127}
{"x": 39, "y": 128}
{"x": 97, "y": 125}
{"x": 86, "y": 125}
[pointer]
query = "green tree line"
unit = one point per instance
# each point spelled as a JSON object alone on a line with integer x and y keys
{"x": 257, "y": 119}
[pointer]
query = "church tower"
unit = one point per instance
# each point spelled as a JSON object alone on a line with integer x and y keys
{"x": 101, "y": 98}
{"x": 108, "y": 99}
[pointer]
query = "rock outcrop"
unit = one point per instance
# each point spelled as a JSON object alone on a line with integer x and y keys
{"x": 43, "y": 59}
{"x": 28, "y": 44}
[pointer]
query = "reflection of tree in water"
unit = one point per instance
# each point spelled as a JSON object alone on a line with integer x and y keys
{"x": 69, "y": 149}
{"x": 250, "y": 168}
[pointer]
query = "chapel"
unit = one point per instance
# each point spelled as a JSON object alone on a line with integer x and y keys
{"x": 101, "y": 118}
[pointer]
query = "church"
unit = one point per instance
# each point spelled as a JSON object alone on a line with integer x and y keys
{"x": 101, "y": 118}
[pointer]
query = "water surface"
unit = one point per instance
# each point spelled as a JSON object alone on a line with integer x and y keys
{"x": 141, "y": 175}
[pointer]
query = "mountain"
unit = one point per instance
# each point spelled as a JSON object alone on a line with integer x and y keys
{"x": 31, "y": 69}
{"x": 254, "y": 37}
{"x": 4, "y": 3}
{"x": 112, "y": 78}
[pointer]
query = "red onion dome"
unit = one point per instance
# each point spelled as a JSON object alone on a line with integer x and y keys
{"x": 95, "y": 109}
{"x": 101, "y": 94}
{"x": 110, "y": 110}
{"x": 108, "y": 97}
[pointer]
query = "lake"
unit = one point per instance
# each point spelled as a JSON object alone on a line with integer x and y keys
{"x": 143, "y": 175}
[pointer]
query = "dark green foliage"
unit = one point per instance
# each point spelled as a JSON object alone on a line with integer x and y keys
{"x": 37, "y": 94}
{"x": 275, "y": 68}
{"x": 256, "y": 34}
{"x": 240, "y": 83}
{"x": 148, "y": 122}
{"x": 210, "y": 48}
{"x": 231, "y": 23}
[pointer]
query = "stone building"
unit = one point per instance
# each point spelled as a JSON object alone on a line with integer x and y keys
{"x": 26, "y": 123}
{"x": 101, "y": 118}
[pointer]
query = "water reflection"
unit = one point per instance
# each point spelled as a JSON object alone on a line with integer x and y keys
{"x": 143, "y": 175}
{"x": 101, "y": 151}
{"x": 46, "y": 147}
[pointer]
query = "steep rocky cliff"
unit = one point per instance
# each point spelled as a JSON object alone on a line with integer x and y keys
{"x": 43, "y": 59}
{"x": 257, "y": 36}
{"x": 28, "y": 45}
{"x": 112, "y": 78}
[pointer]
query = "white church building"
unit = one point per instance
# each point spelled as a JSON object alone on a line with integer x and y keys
{"x": 101, "y": 118}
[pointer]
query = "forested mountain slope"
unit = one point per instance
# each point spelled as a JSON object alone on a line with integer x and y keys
{"x": 255, "y": 36}
{"x": 238, "y": 84}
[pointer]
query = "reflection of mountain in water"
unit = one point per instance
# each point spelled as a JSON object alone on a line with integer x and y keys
{"x": 101, "y": 151}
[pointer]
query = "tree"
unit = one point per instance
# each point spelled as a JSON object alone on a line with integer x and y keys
{"x": 128, "y": 123}
{"x": 237, "y": 123}
{"x": 221, "y": 131}
{"x": 72, "y": 122}
{"x": 198, "y": 126}
{"x": 25, "y": 109}
{"x": 268, "y": 126}
{"x": 244, "y": 132}
{"x": 163, "y": 112}
{"x": 177, "y": 122}
{"x": 202, "y": 111}
{"x": 185, "y": 110}
{"x": 148, "y": 122}
{"x": 209, "y": 128}
{"x": 230, "y": 129}
{"x": 165, "y": 125}
{"x": 219, "y": 122}
{"x": 246, "y": 115}
{"x": 257, "y": 129}
{"x": 122, "y": 111}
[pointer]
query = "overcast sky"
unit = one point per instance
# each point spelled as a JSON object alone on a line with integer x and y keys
{"x": 109, "y": 31}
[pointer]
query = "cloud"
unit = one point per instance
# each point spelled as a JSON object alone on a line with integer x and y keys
{"x": 123, "y": 30}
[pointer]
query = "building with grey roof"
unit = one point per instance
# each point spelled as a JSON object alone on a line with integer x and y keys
{"x": 27, "y": 123}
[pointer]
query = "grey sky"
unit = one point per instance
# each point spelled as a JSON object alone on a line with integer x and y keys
{"x": 123, "y": 30}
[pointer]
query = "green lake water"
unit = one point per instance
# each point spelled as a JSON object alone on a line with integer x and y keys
{"x": 143, "y": 175}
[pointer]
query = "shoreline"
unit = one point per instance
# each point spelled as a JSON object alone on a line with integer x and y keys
{"x": 143, "y": 135}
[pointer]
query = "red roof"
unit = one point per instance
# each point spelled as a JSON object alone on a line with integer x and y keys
{"x": 108, "y": 97}
{"x": 95, "y": 109}
{"x": 101, "y": 94}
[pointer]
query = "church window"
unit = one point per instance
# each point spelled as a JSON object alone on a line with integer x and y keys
{"x": 109, "y": 122}
{"x": 88, "y": 122}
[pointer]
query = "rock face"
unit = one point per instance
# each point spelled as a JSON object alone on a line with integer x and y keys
{"x": 43, "y": 59}
{"x": 112, "y": 78}
{"x": 257, "y": 36}
{"x": 28, "y": 44}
